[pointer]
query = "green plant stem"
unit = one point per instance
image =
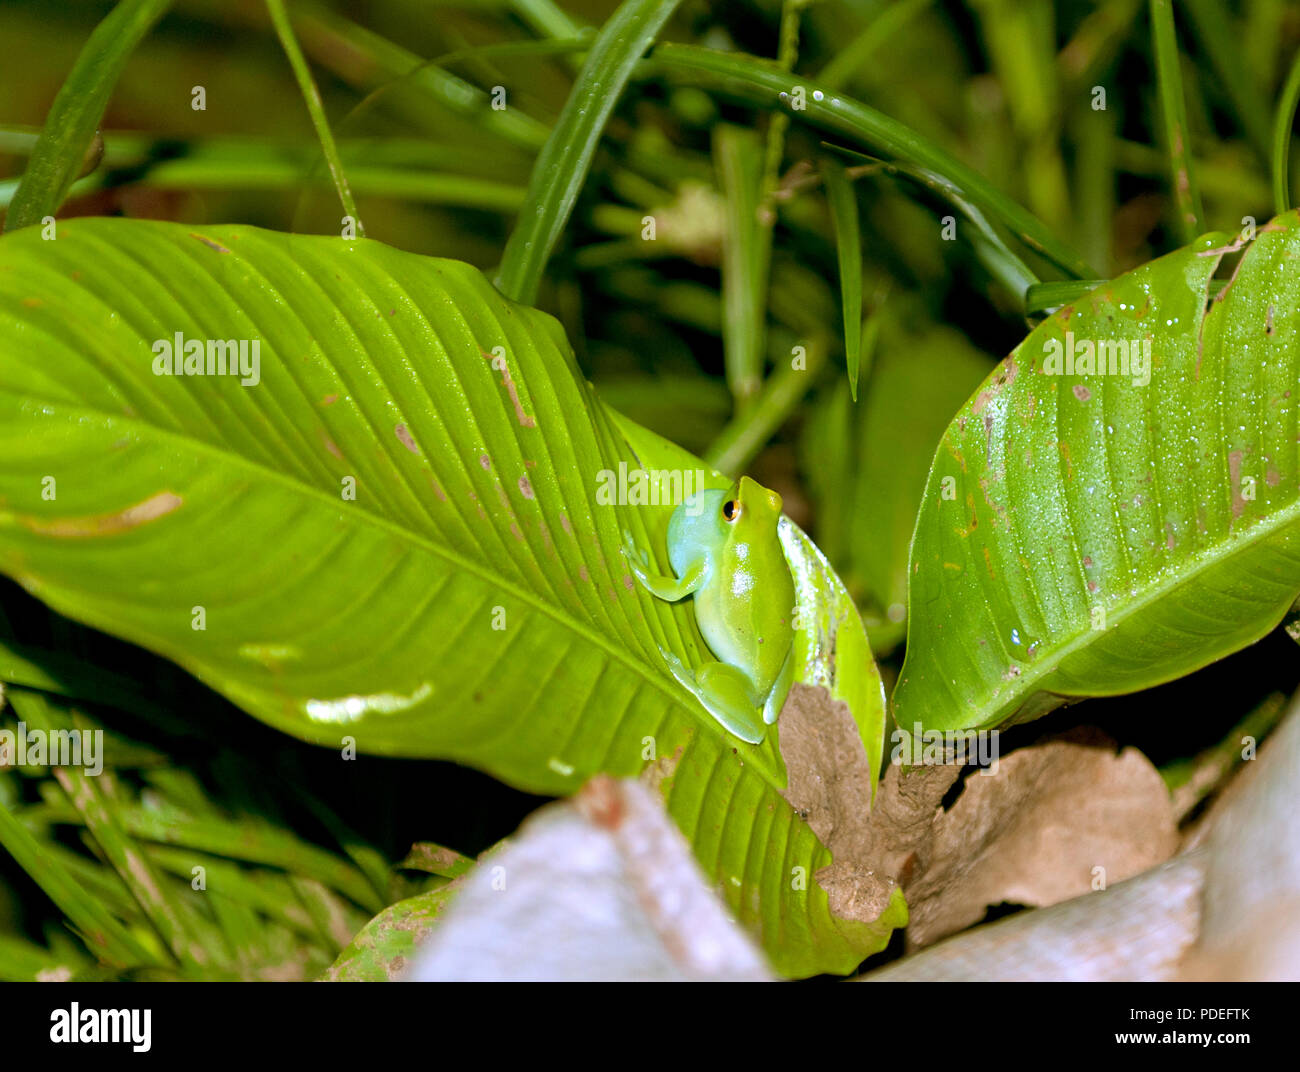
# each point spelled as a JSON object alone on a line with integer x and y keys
{"x": 1283, "y": 121}
{"x": 843, "y": 202}
{"x": 1173, "y": 110}
{"x": 989, "y": 245}
{"x": 746, "y": 258}
{"x": 95, "y": 803}
{"x": 561, "y": 167}
{"x": 1191, "y": 780}
{"x": 787, "y": 54}
{"x": 546, "y": 18}
{"x": 761, "y": 84}
{"x": 853, "y": 56}
{"x": 70, "y": 127}
{"x": 1223, "y": 38}
{"x": 335, "y": 42}
{"x": 315, "y": 108}
{"x": 102, "y": 932}
{"x": 743, "y": 437}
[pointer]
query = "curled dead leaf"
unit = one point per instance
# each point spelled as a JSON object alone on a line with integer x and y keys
{"x": 1057, "y": 819}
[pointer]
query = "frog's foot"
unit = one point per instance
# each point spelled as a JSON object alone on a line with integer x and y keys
{"x": 634, "y": 553}
{"x": 780, "y": 690}
{"x": 726, "y": 694}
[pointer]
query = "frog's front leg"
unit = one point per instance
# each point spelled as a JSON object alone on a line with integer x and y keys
{"x": 668, "y": 588}
{"x": 726, "y": 693}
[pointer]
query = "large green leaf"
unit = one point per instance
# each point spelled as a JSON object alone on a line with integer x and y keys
{"x": 471, "y": 602}
{"x": 1088, "y": 535}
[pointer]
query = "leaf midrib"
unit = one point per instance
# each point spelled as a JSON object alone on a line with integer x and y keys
{"x": 616, "y": 652}
{"x": 1265, "y": 528}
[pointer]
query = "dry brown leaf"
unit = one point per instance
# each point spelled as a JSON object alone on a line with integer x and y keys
{"x": 830, "y": 787}
{"x": 1057, "y": 820}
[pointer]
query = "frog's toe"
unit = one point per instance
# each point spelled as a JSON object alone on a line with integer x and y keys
{"x": 632, "y": 551}
{"x": 674, "y": 663}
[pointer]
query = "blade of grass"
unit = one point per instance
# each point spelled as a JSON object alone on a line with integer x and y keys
{"x": 1283, "y": 121}
{"x": 247, "y": 841}
{"x": 24, "y": 961}
{"x": 561, "y": 167}
{"x": 989, "y": 246}
{"x": 265, "y": 893}
{"x": 854, "y": 56}
{"x": 70, "y": 127}
{"x": 369, "y": 860}
{"x": 315, "y": 108}
{"x": 100, "y": 882}
{"x": 336, "y": 921}
{"x": 1044, "y": 298}
{"x": 1095, "y": 44}
{"x": 72, "y": 677}
{"x": 336, "y": 42}
{"x": 760, "y": 83}
{"x": 1224, "y": 40}
{"x": 1021, "y": 38}
{"x": 1262, "y": 30}
{"x": 101, "y": 931}
{"x": 778, "y": 122}
{"x": 745, "y": 435}
{"x": 1191, "y": 780}
{"x": 1220, "y": 180}
{"x": 843, "y": 203}
{"x": 546, "y": 18}
{"x": 1173, "y": 111}
{"x": 746, "y": 257}
{"x": 98, "y": 811}
{"x": 1094, "y": 179}
{"x": 564, "y": 46}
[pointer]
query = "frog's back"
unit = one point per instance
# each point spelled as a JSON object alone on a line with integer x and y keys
{"x": 745, "y": 617}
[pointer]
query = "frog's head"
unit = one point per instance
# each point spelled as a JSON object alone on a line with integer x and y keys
{"x": 750, "y": 507}
{"x": 746, "y": 513}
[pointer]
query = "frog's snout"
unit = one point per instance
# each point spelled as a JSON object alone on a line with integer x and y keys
{"x": 752, "y": 492}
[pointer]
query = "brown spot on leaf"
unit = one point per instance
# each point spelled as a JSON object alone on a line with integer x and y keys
{"x": 525, "y": 421}
{"x": 1082, "y": 393}
{"x": 526, "y": 488}
{"x": 1234, "y": 471}
{"x": 150, "y": 509}
{"x": 209, "y": 242}
{"x": 404, "y": 437}
{"x": 1065, "y": 453}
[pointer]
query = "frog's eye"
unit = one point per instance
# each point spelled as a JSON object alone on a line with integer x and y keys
{"x": 731, "y": 509}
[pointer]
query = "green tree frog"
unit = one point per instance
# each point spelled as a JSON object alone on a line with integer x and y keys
{"x": 724, "y": 549}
